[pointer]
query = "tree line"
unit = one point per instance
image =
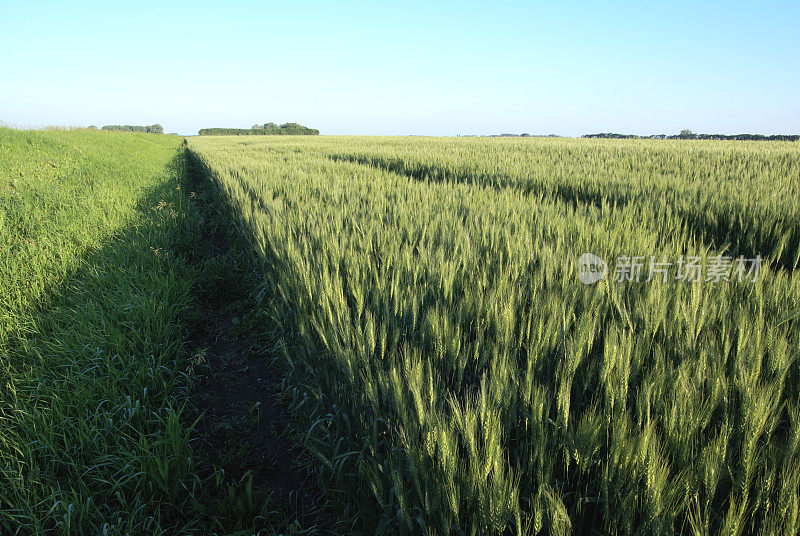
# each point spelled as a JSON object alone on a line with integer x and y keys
{"x": 149, "y": 129}
{"x": 689, "y": 135}
{"x": 260, "y": 130}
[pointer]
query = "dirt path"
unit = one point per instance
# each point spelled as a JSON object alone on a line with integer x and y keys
{"x": 243, "y": 429}
{"x": 244, "y": 424}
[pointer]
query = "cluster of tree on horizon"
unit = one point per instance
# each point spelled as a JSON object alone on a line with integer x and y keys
{"x": 149, "y": 129}
{"x": 689, "y": 135}
{"x": 508, "y": 135}
{"x": 261, "y": 130}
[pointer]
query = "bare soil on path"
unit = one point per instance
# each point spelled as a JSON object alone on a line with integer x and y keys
{"x": 244, "y": 428}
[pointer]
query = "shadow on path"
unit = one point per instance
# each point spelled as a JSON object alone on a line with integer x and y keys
{"x": 244, "y": 427}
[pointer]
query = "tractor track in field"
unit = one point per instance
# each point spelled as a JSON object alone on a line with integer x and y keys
{"x": 243, "y": 429}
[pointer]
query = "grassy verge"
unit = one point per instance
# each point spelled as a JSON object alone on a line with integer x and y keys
{"x": 97, "y": 297}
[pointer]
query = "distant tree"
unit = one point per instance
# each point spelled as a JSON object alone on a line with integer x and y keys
{"x": 612, "y": 135}
{"x": 260, "y": 130}
{"x": 152, "y": 129}
{"x": 687, "y": 134}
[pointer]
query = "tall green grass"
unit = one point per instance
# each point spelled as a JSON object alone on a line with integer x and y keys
{"x": 96, "y": 302}
{"x": 455, "y": 377}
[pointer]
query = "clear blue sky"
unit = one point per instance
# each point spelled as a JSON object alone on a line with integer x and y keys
{"x": 430, "y": 67}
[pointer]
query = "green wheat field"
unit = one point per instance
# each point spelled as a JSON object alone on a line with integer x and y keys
{"x": 446, "y": 368}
